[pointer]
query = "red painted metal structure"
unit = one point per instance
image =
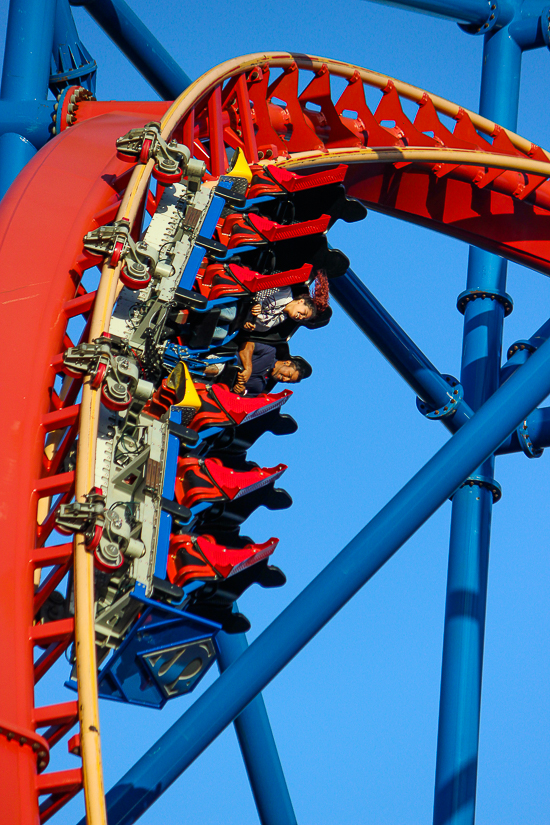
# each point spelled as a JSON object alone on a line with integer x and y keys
{"x": 75, "y": 184}
{"x": 36, "y": 307}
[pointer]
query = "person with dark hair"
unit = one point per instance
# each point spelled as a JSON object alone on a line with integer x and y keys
{"x": 273, "y": 306}
{"x": 261, "y": 368}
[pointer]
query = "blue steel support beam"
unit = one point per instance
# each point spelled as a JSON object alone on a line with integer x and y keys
{"x": 72, "y": 65}
{"x": 395, "y": 345}
{"x": 418, "y": 371}
{"x": 25, "y": 74}
{"x": 15, "y": 153}
{"x": 141, "y": 48}
{"x": 462, "y": 666}
{"x": 330, "y": 591}
{"x": 538, "y": 430}
{"x": 527, "y": 19}
{"x": 473, "y": 12}
{"x": 522, "y": 349}
{"x": 29, "y": 38}
{"x": 31, "y": 119}
{"x": 258, "y": 747}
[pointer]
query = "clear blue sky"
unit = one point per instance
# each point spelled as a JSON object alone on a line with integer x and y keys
{"x": 355, "y": 715}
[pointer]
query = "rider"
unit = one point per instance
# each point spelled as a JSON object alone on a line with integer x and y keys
{"x": 262, "y": 368}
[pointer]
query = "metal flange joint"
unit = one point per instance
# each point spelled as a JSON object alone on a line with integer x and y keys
{"x": 486, "y": 483}
{"x": 473, "y": 294}
{"x": 499, "y": 14}
{"x": 455, "y": 395}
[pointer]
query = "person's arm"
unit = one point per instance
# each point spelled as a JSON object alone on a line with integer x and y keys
{"x": 246, "y": 351}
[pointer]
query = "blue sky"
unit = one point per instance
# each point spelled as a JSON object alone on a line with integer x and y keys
{"x": 355, "y": 714}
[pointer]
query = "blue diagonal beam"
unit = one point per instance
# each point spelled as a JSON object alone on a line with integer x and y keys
{"x": 418, "y": 371}
{"x": 474, "y": 12}
{"x": 141, "y": 48}
{"x": 396, "y": 346}
{"x": 330, "y": 590}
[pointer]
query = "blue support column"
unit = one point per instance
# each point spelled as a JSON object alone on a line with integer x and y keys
{"x": 460, "y": 702}
{"x": 25, "y": 73}
{"x": 263, "y": 766}
{"x": 29, "y": 39}
{"x": 18, "y": 151}
{"x": 330, "y": 591}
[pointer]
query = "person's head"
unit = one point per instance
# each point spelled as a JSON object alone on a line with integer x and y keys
{"x": 301, "y": 309}
{"x": 291, "y": 371}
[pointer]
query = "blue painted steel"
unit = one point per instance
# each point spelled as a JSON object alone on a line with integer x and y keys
{"x": 460, "y": 701}
{"x": 32, "y": 119}
{"x": 141, "y": 48}
{"x": 520, "y": 350}
{"x": 25, "y": 73}
{"x": 395, "y": 345}
{"x": 165, "y": 655}
{"x": 29, "y": 38}
{"x": 72, "y": 64}
{"x": 261, "y": 759}
{"x": 528, "y": 28}
{"x": 330, "y": 590}
{"x": 527, "y": 25}
{"x": 539, "y": 428}
{"x": 463, "y": 656}
{"x": 15, "y": 153}
{"x": 411, "y": 363}
{"x": 461, "y": 11}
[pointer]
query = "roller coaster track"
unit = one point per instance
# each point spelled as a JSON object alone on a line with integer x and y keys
{"x": 480, "y": 183}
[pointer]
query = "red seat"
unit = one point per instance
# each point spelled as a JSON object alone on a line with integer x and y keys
{"x": 209, "y": 480}
{"x": 244, "y": 408}
{"x": 273, "y": 180}
{"x": 242, "y": 228}
{"x": 200, "y": 557}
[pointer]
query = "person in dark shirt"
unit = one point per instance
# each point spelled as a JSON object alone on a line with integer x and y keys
{"x": 261, "y": 369}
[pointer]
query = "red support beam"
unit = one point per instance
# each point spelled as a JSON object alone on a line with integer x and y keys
{"x": 61, "y": 787}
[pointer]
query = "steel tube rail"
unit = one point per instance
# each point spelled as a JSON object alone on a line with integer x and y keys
{"x": 258, "y": 748}
{"x": 330, "y": 590}
{"x": 284, "y": 60}
{"x": 417, "y": 154}
{"x": 24, "y": 71}
{"x": 396, "y": 346}
{"x": 139, "y": 45}
{"x": 464, "y": 634}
